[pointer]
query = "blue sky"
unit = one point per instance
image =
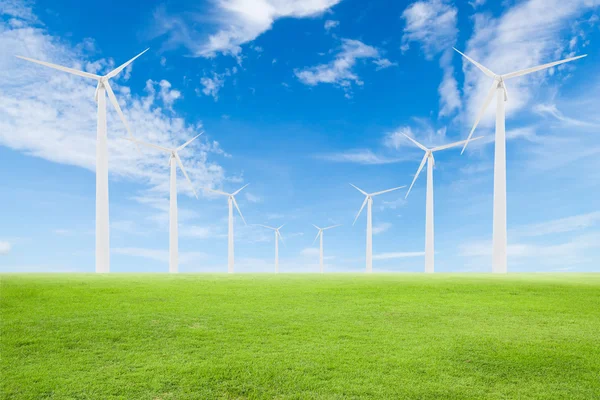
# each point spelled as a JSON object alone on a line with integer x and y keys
{"x": 299, "y": 99}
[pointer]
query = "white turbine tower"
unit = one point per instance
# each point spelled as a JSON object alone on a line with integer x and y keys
{"x": 231, "y": 201}
{"x": 174, "y": 159}
{"x": 320, "y": 234}
{"x": 498, "y": 86}
{"x": 102, "y": 221}
{"x": 429, "y": 252}
{"x": 369, "y": 202}
{"x": 277, "y": 238}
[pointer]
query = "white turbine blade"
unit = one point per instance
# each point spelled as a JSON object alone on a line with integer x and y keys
{"x": 333, "y": 226}
{"x": 281, "y": 227}
{"x": 505, "y": 92}
{"x": 115, "y": 103}
{"x": 185, "y": 174}
{"x": 481, "y": 67}
{"x": 387, "y": 190}
{"x": 217, "y": 191}
{"x": 154, "y": 146}
{"x": 486, "y": 103}
{"x": 238, "y": 209}
{"x": 455, "y": 144}
{"x": 316, "y": 237}
{"x": 265, "y": 226}
{"x": 61, "y": 68}
{"x": 539, "y": 67}
{"x": 360, "y": 190}
{"x": 316, "y": 226}
{"x": 361, "y": 208}
{"x": 280, "y": 237}
{"x": 116, "y": 71}
{"x": 417, "y": 143}
{"x": 417, "y": 174}
{"x": 188, "y": 142}
{"x": 96, "y": 92}
{"x": 239, "y": 190}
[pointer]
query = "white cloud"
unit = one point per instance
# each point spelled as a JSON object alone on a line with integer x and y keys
{"x": 380, "y": 228}
{"x": 552, "y": 110}
{"x": 252, "y": 198}
{"x": 561, "y": 225}
{"x": 185, "y": 257}
{"x": 310, "y": 252}
{"x": 361, "y": 156}
{"x": 237, "y": 22}
{"x": 211, "y": 86}
{"x": 330, "y": 24}
{"x": 340, "y": 70}
{"x": 405, "y": 254}
{"x": 4, "y": 247}
{"x": 52, "y": 115}
{"x": 433, "y": 24}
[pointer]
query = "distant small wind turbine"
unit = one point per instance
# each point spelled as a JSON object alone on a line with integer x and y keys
{"x": 173, "y": 228}
{"x": 277, "y": 238}
{"x": 498, "y": 86}
{"x": 429, "y": 252}
{"x": 231, "y": 201}
{"x": 320, "y": 234}
{"x": 369, "y": 201}
{"x": 102, "y": 221}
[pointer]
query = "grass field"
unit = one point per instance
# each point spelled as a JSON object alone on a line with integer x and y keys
{"x": 300, "y": 336}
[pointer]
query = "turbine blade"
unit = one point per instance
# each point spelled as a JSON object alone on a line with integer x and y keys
{"x": 448, "y": 146}
{"x": 316, "y": 226}
{"x": 387, "y": 190}
{"x": 333, "y": 226}
{"x": 239, "y": 190}
{"x": 217, "y": 191}
{"x": 361, "y": 208}
{"x": 96, "y": 91}
{"x": 316, "y": 237}
{"x": 265, "y": 226}
{"x": 185, "y": 174}
{"x": 61, "y": 68}
{"x": 360, "y": 190}
{"x": 539, "y": 67}
{"x": 188, "y": 142}
{"x": 116, "y": 71}
{"x": 115, "y": 103}
{"x": 505, "y": 92}
{"x": 280, "y": 237}
{"x": 281, "y": 227}
{"x": 486, "y": 103}
{"x": 417, "y": 143}
{"x": 417, "y": 174}
{"x": 154, "y": 146}
{"x": 481, "y": 67}
{"x": 238, "y": 209}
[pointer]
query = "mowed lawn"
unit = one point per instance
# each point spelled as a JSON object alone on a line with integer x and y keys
{"x": 300, "y": 336}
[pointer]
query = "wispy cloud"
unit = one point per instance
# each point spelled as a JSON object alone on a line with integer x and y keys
{"x": 330, "y": 24}
{"x": 358, "y": 156}
{"x": 189, "y": 257}
{"x": 233, "y": 23}
{"x": 339, "y": 71}
{"x": 380, "y": 228}
{"x": 4, "y": 247}
{"x": 392, "y": 256}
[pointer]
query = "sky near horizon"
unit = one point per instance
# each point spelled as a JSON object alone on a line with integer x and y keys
{"x": 299, "y": 99}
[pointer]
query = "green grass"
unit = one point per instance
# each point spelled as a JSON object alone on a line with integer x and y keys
{"x": 300, "y": 336}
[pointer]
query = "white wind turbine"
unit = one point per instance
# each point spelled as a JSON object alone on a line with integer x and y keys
{"x": 320, "y": 234}
{"x": 102, "y": 219}
{"x": 231, "y": 201}
{"x": 498, "y": 86}
{"x": 369, "y": 202}
{"x": 174, "y": 159}
{"x": 277, "y": 238}
{"x": 429, "y": 252}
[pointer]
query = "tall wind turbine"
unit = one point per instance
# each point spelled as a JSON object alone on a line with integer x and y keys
{"x": 174, "y": 159}
{"x": 277, "y": 238}
{"x": 231, "y": 201}
{"x": 429, "y": 196}
{"x": 498, "y": 86}
{"x": 320, "y": 234}
{"x": 103, "y": 86}
{"x": 369, "y": 202}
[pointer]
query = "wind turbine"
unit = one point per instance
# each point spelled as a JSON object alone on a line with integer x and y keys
{"x": 102, "y": 221}
{"x": 369, "y": 201}
{"x": 498, "y": 86}
{"x": 231, "y": 201}
{"x": 320, "y": 234}
{"x": 429, "y": 196}
{"x": 174, "y": 159}
{"x": 277, "y": 237}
